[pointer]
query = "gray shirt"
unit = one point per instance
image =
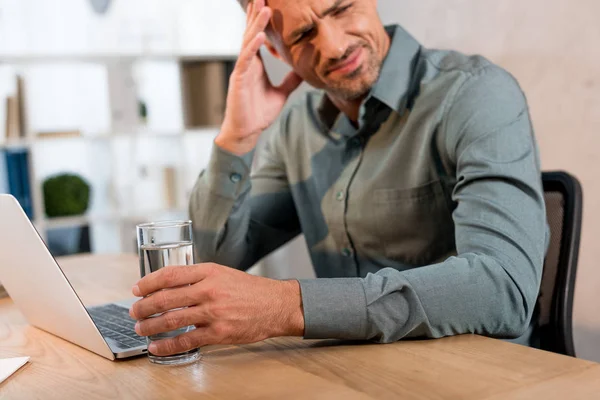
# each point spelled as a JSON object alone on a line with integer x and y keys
{"x": 427, "y": 219}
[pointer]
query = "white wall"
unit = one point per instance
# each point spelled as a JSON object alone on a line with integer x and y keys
{"x": 129, "y": 26}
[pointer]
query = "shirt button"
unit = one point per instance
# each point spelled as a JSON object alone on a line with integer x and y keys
{"x": 346, "y": 252}
{"x": 340, "y": 196}
{"x": 235, "y": 177}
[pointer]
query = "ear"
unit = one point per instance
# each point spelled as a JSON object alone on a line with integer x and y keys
{"x": 269, "y": 45}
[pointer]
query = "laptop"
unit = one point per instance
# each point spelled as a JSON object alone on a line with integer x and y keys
{"x": 40, "y": 290}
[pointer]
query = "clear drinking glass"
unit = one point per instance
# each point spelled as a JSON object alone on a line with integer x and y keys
{"x": 162, "y": 244}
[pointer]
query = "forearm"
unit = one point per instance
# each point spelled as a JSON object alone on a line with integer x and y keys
{"x": 218, "y": 211}
{"x": 237, "y": 219}
{"x": 467, "y": 294}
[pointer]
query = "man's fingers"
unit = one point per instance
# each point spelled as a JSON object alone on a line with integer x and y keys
{"x": 251, "y": 14}
{"x": 259, "y": 24}
{"x": 257, "y": 5}
{"x": 249, "y": 52}
{"x": 182, "y": 343}
{"x": 171, "y": 277}
{"x": 170, "y": 321}
{"x": 165, "y": 300}
{"x": 249, "y": 8}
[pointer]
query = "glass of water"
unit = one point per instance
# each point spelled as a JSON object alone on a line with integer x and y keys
{"x": 163, "y": 244}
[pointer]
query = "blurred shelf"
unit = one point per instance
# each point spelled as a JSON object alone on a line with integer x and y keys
{"x": 156, "y": 215}
{"x": 142, "y": 132}
{"x": 111, "y": 58}
{"x": 15, "y": 143}
{"x": 64, "y": 222}
{"x": 210, "y": 130}
{"x": 28, "y": 142}
{"x": 139, "y": 133}
{"x": 50, "y": 138}
{"x": 117, "y": 146}
{"x": 80, "y": 220}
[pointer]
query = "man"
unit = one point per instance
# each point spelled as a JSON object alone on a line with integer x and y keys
{"x": 412, "y": 173}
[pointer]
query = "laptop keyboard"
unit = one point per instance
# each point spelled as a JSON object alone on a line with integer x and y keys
{"x": 114, "y": 322}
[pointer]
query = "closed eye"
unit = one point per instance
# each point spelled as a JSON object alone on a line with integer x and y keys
{"x": 304, "y": 35}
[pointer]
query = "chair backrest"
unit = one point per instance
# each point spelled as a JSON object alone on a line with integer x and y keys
{"x": 564, "y": 203}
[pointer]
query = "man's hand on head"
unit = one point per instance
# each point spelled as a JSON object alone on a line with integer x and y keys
{"x": 225, "y": 305}
{"x": 253, "y": 103}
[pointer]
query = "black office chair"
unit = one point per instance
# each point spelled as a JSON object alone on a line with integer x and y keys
{"x": 564, "y": 202}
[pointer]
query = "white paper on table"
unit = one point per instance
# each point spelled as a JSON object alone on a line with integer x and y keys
{"x": 9, "y": 366}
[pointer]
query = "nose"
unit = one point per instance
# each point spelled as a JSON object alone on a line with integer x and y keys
{"x": 330, "y": 42}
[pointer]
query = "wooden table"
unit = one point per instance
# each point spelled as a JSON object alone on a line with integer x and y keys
{"x": 463, "y": 367}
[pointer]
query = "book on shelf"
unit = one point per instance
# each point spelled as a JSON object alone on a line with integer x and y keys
{"x": 15, "y": 113}
{"x": 3, "y": 174}
{"x": 12, "y": 127}
{"x": 21, "y": 106}
{"x": 204, "y": 92}
{"x": 170, "y": 186}
{"x": 58, "y": 134}
{"x": 17, "y": 177}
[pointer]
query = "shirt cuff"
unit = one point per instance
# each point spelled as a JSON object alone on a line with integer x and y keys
{"x": 227, "y": 174}
{"x": 334, "y": 308}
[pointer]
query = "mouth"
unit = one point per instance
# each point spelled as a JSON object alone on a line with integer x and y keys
{"x": 351, "y": 64}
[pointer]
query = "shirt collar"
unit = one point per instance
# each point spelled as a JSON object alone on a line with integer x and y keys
{"x": 393, "y": 84}
{"x": 396, "y": 75}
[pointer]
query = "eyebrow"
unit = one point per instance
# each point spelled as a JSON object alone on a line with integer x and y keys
{"x": 308, "y": 27}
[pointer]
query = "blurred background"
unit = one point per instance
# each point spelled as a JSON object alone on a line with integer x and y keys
{"x": 108, "y": 109}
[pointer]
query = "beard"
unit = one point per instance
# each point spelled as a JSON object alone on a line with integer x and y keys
{"x": 360, "y": 81}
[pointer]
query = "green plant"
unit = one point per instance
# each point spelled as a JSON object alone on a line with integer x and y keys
{"x": 66, "y": 195}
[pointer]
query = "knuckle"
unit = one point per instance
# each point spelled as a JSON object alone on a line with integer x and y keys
{"x": 161, "y": 301}
{"x": 212, "y": 293}
{"x": 170, "y": 346}
{"x": 172, "y": 320}
{"x": 220, "y": 331}
{"x": 210, "y": 312}
{"x": 170, "y": 275}
{"x": 189, "y": 269}
{"x": 189, "y": 297}
{"x": 216, "y": 312}
{"x": 184, "y": 342}
{"x": 142, "y": 328}
{"x": 211, "y": 268}
{"x": 138, "y": 311}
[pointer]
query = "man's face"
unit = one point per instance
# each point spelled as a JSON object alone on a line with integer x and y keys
{"x": 336, "y": 45}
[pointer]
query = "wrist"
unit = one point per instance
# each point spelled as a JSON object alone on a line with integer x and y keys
{"x": 228, "y": 141}
{"x": 292, "y": 315}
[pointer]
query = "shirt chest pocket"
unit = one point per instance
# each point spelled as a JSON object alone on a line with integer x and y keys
{"x": 414, "y": 224}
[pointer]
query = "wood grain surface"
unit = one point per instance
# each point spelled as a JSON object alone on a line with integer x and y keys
{"x": 462, "y": 367}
